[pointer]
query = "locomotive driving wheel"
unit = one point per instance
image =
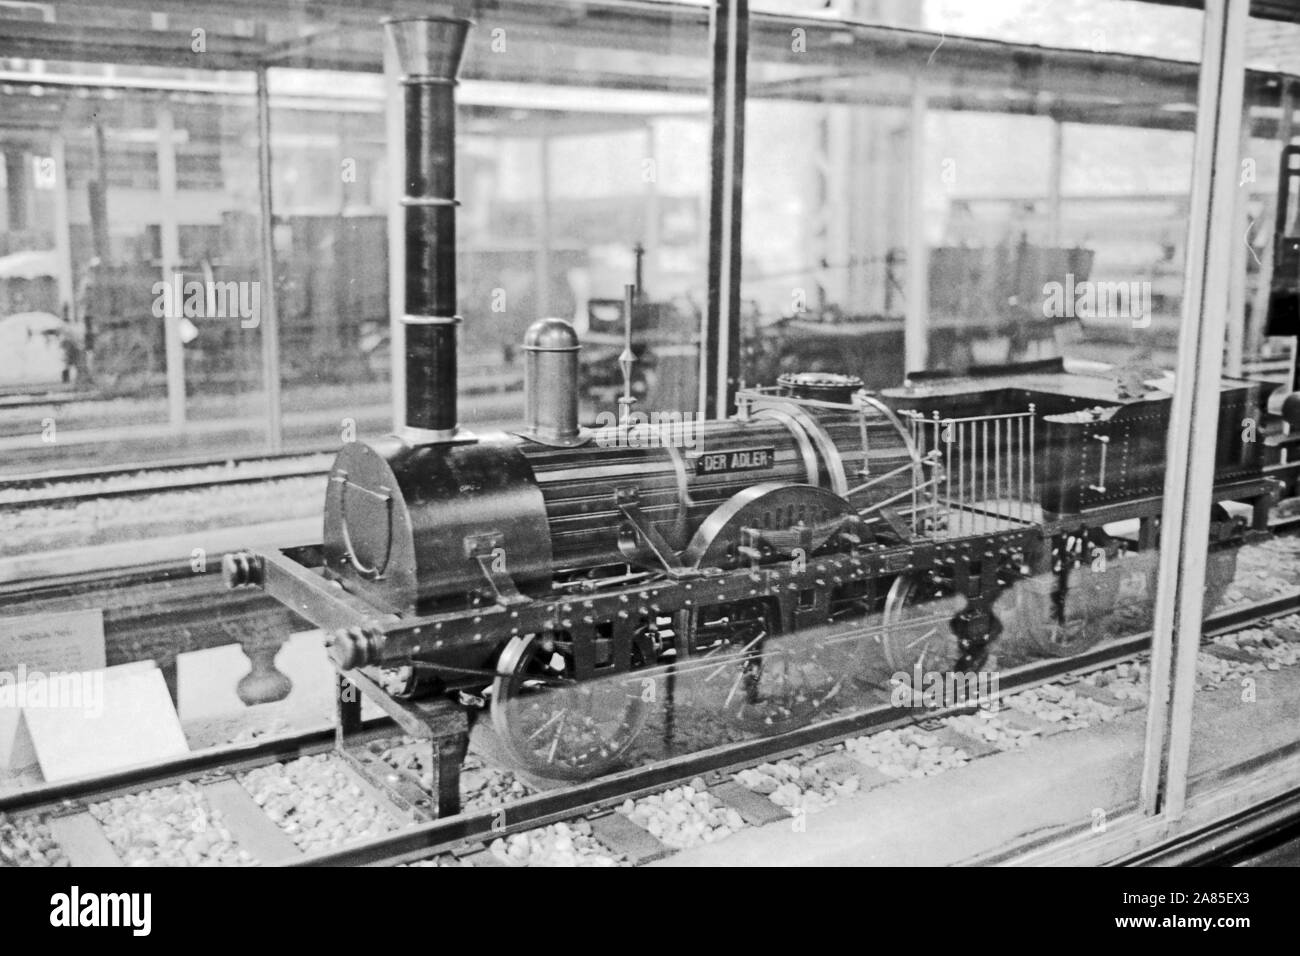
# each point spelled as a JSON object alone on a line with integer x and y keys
{"x": 773, "y": 682}
{"x": 917, "y": 628}
{"x": 1069, "y": 609}
{"x": 558, "y": 727}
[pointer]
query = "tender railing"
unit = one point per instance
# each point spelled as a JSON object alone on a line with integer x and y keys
{"x": 983, "y": 473}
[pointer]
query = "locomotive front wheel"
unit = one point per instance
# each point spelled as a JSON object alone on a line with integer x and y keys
{"x": 557, "y": 727}
{"x": 917, "y": 627}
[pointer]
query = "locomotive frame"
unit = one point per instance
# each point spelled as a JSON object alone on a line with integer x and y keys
{"x": 616, "y": 626}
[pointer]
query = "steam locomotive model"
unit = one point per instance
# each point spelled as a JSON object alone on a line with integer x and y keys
{"x": 555, "y": 574}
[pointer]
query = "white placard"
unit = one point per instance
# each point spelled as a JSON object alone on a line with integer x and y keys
{"x": 70, "y": 641}
{"x": 116, "y": 718}
{"x": 32, "y": 646}
{"x": 71, "y": 689}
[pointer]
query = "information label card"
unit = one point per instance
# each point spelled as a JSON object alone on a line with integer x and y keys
{"x": 71, "y": 641}
{"x": 32, "y": 647}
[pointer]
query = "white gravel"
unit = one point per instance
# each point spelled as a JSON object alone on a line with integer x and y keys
{"x": 316, "y": 802}
{"x": 1212, "y": 672}
{"x": 169, "y": 826}
{"x": 1275, "y": 652}
{"x": 1127, "y": 681}
{"x": 442, "y": 859}
{"x": 683, "y": 817}
{"x": 26, "y": 841}
{"x": 560, "y": 844}
{"x": 1266, "y": 569}
{"x": 907, "y": 752}
{"x": 482, "y": 786}
{"x": 992, "y": 730}
{"x": 808, "y": 786}
{"x": 1055, "y": 704}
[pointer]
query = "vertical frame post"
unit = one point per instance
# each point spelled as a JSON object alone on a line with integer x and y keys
{"x": 395, "y": 159}
{"x": 916, "y": 317}
{"x": 268, "y": 321}
{"x": 63, "y": 228}
{"x": 720, "y": 342}
{"x": 1055, "y": 177}
{"x": 1236, "y": 345}
{"x": 1193, "y": 426}
{"x": 169, "y": 230}
{"x": 1267, "y": 219}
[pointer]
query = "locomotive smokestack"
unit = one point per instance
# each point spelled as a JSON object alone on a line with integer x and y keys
{"x": 429, "y": 51}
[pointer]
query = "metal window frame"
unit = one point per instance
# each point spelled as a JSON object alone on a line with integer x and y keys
{"x": 1193, "y": 422}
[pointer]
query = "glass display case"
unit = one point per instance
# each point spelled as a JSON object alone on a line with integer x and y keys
{"x": 899, "y": 399}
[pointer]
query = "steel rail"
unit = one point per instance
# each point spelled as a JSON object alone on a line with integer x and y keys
{"x": 157, "y": 484}
{"x": 39, "y": 479}
{"x": 223, "y": 761}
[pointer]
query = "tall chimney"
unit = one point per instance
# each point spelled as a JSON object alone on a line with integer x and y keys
{"x": 429, "y": 51}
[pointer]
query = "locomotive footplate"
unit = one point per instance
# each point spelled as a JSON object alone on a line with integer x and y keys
{"x": 1259, "y": 493}
{"x": 443, "y": 723}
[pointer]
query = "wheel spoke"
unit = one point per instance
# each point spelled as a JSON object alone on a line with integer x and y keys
{"x": 924, "y": 637}
{"x": 555, "y": 740}
{"x": 558, "y": 727}
{"x": 542, "y": 729}
{"x": 916, "y": 628}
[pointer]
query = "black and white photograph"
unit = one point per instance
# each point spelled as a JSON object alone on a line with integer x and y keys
{"x": 650, "y": 433}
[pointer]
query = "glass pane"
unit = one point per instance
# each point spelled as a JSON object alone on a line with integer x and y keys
{"x": 121, "y": 194}
{"x": 1246, "y": 675}
{"x": 1015, "y": 492}
{"x": 329, "y": 174}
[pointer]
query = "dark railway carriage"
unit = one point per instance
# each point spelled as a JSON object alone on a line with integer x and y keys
{"x": 1096, "y": 459}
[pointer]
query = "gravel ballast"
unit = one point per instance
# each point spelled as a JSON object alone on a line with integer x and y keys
{"x": 169, "y": 826}
{"x": 316, "y": 802}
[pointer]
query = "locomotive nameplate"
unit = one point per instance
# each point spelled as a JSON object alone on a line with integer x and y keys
{"x": 738, "y": 459}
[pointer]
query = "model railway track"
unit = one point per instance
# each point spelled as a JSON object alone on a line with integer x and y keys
{"x": 65, "y": 806}
{"x": 57, "y": 397}
{"x": 44, "y": 489}
{"x": 235, "y": 758}
{"x": 463, "y": 834}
